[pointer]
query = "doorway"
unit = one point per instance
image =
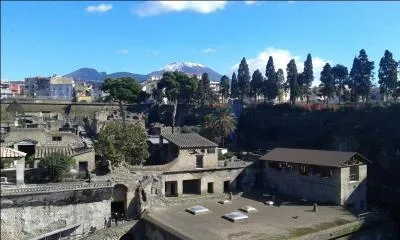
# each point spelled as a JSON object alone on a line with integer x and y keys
{"x": 171, "y": 189}
{"x": 227, "y": 186}
{"x": 210, "y": 187}
{"x": 192, "y": 186}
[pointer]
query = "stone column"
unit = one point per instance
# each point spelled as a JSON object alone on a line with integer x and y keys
{"x": 180, "y": 188}
{"x": 20, "y": 171}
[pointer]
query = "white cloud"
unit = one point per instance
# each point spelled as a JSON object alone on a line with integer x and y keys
{"x": 155, "y": 52}
{"x": 161, "y": 7}
{"x": 249, "y": 2}
{"x": 123, "y": 51}
{"x": 290, "y": 1}
{"x": 208, "y": 50}
{"x": 281, "y": 58}
{"x": 101, "y": 8}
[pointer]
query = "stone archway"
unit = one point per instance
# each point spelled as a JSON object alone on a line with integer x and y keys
{"x": 119, "y": 199}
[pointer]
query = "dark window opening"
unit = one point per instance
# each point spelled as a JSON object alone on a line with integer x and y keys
{"x": 211, "y": 150}
{"x": 191, "y": 186}
{"x": 199, "y": 161}
{"x": 324, "y": 172}
{"x": 171, "y": 189}
{"x": 227, "y": 186}
{"x": 57, "y": 138}
{"x": 118, "y": 207}
{"x": 280, "y": 166}
{"x": 202, "y": 150}
{"x": 83, "y": 166}
{"x": 354, "y": 173}
{"x": 28, "y": 149}
{"x": 210, "y": 187}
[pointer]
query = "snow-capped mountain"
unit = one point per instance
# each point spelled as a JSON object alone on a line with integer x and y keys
{"x": 188, "y": 68}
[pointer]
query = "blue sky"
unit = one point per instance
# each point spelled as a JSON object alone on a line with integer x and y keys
{"x": 42, "y": 38}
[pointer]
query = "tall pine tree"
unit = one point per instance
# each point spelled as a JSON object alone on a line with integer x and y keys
{"x": 340, "y": 75}
{"x": 256, "y": 84}
{"x": 362, "y": 76}
{"x": 204, "y": 91}
{"x": 351, "y": 83}
{"x": 270, "y": 84}
{"x": 234, "y": 86}
{"x": 307, "y": 78}
{"x": 292, "y": 75}
{"x": 388, "y": 81}
{"x": 280, "y": 84}
{"x": 224, "y": 88}
{"x": 327, "y": 83}
{"x": 243, "y": 79}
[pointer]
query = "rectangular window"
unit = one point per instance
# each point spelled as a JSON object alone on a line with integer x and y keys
{"x": 57, "y": 138}
{"x": 354, "y": 173}
{"x": 199, "y": 161}
{"x": 211, "y": 150}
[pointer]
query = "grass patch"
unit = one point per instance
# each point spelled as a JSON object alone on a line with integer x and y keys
{"x": 297, "y": 232}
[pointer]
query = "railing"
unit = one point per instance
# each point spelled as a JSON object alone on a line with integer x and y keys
{"x": 62, "y": 187}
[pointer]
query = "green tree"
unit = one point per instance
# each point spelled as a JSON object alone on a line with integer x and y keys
{"x": 362, "y": 76}
{"x": 56, "y": 166}
{"x": 340, "y": 76}
{"x": 224, "y": 88}
{"x": 218, "y": 126}
{"x": 291, "y": 80}
{"x": 256, "y": 84}
{"x": 122, "y": 90}
{"x": 177, "y": 86}
{"x": 234, "y": 86}
{"x": 121, "y": 143}
{"x": 307, "y": 78}
{"x": 388, "y": 81}
{"x": 225, "y": 124}
{"x": 243, "y": 79}
{"x": 327, "y": 83}
{"x": 271, "y": 85}
{"x": 280, "y": 84}
{"x": 14, "y": 108}
{"x": 351, "y": 83}
{"x": 203, "y": 90}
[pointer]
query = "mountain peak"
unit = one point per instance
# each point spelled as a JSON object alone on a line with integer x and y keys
{"x": 178, "y": 66}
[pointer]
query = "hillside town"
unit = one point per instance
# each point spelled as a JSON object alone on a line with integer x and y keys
{"x": 299, "y": 145}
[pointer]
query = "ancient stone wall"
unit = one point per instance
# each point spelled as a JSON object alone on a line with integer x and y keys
{"x": 24, "y": 216}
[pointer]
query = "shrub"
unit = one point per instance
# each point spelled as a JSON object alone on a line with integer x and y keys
{"x": 56, "y": 166}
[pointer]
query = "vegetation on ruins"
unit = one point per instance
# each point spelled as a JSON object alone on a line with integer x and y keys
{"x": 122, "y": 90}
{"x": 218, "y": 126}
{"x": 14, "y": 108}
{"x": 56, "y": 166}
{"x": 224, "y": 88}
{"x": 122, "y": 143}
{"x": 177, "y": 87}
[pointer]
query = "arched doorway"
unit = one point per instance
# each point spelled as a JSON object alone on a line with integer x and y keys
{"x": 118, "y": 202}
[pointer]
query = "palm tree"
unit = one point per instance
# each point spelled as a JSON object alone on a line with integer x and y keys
{"x": 224, "y": 125}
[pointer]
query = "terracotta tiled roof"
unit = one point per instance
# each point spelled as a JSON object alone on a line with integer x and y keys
{"x": 188, "y": 140}
{"x": 311, "y": 157}
{"x": 11, "y": 153}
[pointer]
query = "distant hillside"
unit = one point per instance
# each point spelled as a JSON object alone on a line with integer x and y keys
{"x": 188, "y": 68}
{"x": 90, "y": 74}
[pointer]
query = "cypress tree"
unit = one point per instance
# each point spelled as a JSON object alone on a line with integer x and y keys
{"x": 340, "y": 75}
{"x": 256, "y": 84}
{"x": 243, "y": 79}
{"x": 280, "y": 84}
{"x": 292, "y": 75}
{"x": 234, "y": 86}
{"x": 271, "y": 84}
{"x": 224, "y": 88}
{"x": 387, "y": 75}
{"x": 307, "y": 78}
{"x": 327, "y": 83}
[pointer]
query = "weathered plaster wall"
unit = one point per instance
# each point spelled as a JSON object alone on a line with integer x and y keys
{"x": 187, "y": 160}
{"x": 27, "y": 216}
{"x": 86, "y": 157}
{"x": 311, "y": 187}
{"x": 216, "y": 176}
{"x": 354, "y": 191}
